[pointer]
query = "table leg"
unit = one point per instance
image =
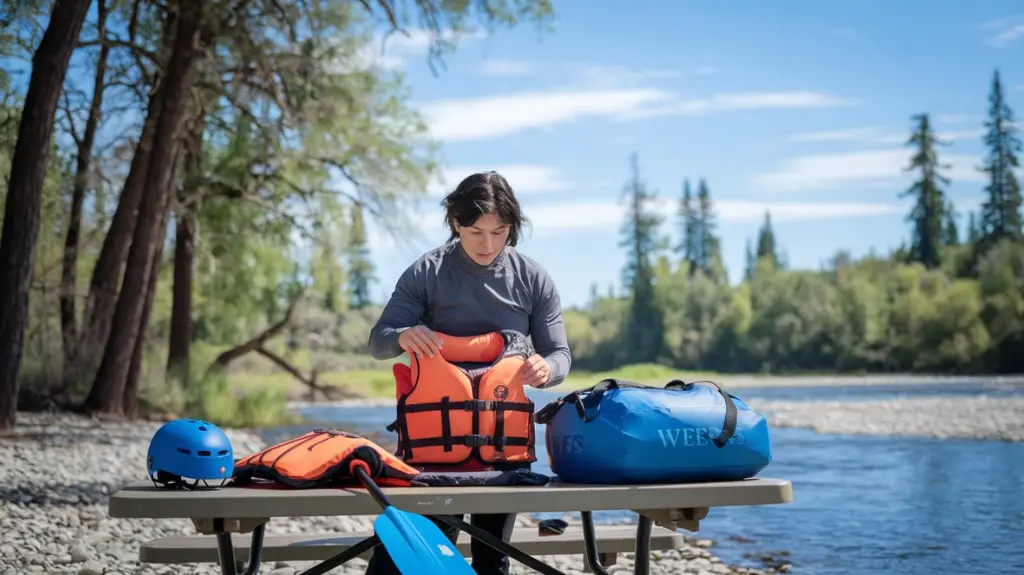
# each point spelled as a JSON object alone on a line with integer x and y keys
{"x": 226, "y": 550}
{"x": 590, "y": 544}
{"x": 642, "y": 562}
{"x": 502, "y": 546}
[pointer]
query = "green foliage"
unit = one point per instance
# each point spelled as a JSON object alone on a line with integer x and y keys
{"x": 1001, "y": 210}
{"x": 926, "y": 308}
{"x": 931, "y": 210}
{"x": 643, "y": 329}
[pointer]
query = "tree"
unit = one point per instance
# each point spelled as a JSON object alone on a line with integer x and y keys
{"x": 360, "y": 268}
{"x": 973, "y": 232}
{"x": 749, "y": 261}
{"x": 108, "y": 390}
{"x": 950, "y": 233}
{"x": 766, "y": 249}
{"x": 644, "y": 333}
{"x": 83, "y": 170}
{"x": 709, "y": 244}
{"x": 929, "y": 212}
{"x": 25, "y": 189}
{"x": 1000, "y": 212}
{"x": 690, "y": 229}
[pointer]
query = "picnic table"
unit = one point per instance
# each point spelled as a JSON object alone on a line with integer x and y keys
{"x": 228, "y": 512}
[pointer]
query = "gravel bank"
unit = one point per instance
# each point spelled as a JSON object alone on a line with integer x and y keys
{"x": 57, "y": 472}
{"x": 940, "y": 417}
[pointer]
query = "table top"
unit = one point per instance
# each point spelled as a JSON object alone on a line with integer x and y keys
{"x": 143, "y": 499}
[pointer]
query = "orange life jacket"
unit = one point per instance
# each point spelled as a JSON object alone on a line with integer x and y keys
{"x": 455, "y": 415}
{"x": 322, "y": 458}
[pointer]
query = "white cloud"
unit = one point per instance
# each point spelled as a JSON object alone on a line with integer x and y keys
{"x": 741, "y": 101}
{"x": 578, "y": 215}
{"x": 864, "y": 134}
{"x": 524, "y": 178}
{"x": 506, "y": 68}
{"x": 832, "y": 171}
{"x": 1004, "y": 31}
{"x": 603, "y": 76}
{"x": 495, "y": 116}
{"x": 395, "y": 50}
{"x": 876, "y": 135}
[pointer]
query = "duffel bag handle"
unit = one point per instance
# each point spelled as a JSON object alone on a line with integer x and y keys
{"x": 729, "y": 427}
{"x": 583, "y": 400}
{"x": 592, "y": 401}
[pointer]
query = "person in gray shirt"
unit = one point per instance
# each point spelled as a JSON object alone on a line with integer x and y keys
{"x": 476, "y": 283}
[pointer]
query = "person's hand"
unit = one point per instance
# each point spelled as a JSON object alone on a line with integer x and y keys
{"x": 535, "y": 371}
{"x": 419, "y": 340}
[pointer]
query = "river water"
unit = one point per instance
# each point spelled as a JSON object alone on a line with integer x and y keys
{"x": 862, "y": 504}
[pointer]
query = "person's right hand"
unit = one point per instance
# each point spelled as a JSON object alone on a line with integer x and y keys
{"x": 419, "y": 340}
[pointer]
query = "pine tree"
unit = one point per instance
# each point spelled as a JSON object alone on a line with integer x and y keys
{"x": 360, "y": 268}
{"x": 929, "y": 208}
{"x": 690, "y": 228}
{"x": 766, "y": 242}
{"x": 1000, "y": 213}
{"x": 950, "y": 233}
{"x": 643, "y": 335}
{"x": 973, "y": 232}
{"x": 709, "y": 249}
{"x": 748, "y": 270}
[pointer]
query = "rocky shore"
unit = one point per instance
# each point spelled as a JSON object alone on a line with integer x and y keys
{"x": 57, "y": 472}
{"x": 942, "y": 417}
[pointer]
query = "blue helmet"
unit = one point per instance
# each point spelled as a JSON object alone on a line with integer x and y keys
{"x": 189, "y": 449}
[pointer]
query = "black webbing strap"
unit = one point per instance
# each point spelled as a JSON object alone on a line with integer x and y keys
{"x": 469, "y": 440}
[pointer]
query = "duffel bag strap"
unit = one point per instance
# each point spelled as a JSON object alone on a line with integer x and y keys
{"x": 583, "y": 400}
{"x": 729, "y": 427}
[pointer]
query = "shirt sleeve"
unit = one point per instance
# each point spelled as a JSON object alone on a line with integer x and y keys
{"x": 405, "y": 309}
{"x": 547, "y": 329}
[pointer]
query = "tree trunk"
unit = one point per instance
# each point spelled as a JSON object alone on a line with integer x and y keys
{"x": 25, "y": 191}
{"x": 180, "y": 339}
{"x": 102, "y": 298}
{"x": 69, "y": 280}
{"x": 131, "y": 387}
{"x": 107, "y": 393}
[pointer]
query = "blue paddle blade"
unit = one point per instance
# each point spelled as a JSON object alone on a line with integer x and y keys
{"x": 417, "y": 545}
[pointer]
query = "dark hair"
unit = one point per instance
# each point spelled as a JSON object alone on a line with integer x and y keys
{"x": 479, "y": 194}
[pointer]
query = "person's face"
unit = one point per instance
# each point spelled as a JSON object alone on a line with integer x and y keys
{"x": 485, "y": 239}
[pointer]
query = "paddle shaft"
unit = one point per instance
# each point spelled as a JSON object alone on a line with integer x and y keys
{"x": 368, "y": 483}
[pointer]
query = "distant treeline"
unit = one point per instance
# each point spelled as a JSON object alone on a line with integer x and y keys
{"x": 944, "y": 301}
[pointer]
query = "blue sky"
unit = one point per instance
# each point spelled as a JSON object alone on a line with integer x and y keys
{"x": 798, "y": 107}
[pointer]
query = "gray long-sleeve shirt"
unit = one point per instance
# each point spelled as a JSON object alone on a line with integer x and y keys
{"x": 446, "y": 291}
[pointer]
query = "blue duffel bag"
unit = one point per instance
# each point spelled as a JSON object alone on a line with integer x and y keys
{"x": 619, "y": 432}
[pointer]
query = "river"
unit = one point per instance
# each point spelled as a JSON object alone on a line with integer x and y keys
{"x": 862, "y": 504}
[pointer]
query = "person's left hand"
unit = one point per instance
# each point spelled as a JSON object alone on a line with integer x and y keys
{"x": 535, "y": 371}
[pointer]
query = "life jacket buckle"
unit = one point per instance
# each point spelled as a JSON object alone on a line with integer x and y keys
{"x": 477, "y": 440}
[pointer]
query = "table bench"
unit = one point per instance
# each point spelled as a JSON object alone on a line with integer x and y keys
{"x": 611, "y": 540}
{"x": 229, "y": 512}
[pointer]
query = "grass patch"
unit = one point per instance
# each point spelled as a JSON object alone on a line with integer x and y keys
{"x": 645, "y": 373}
{"x": 380, "y": 383}
{"x": 370, "y": 383}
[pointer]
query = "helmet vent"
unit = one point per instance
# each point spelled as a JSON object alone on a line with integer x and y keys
{"x": 202, "y": 428}
{"x": 222, "y": 452}
{"x": 185, "y": 451}
{"x": 203, "y": 453}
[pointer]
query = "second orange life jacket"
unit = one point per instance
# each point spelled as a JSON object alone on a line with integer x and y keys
{"x": 454, "y": 415}
{"x": 321, "y": 458}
